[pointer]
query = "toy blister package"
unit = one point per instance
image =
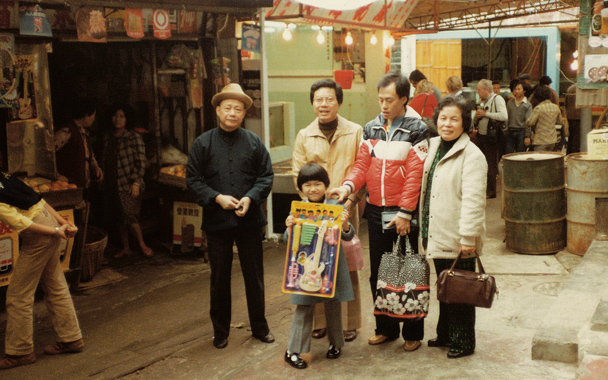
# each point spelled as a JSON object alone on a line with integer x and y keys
{"x": 312, "y": 250}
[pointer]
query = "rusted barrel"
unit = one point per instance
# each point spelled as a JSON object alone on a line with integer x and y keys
{"x": 587, "y": 180}
{"x": 534, "y": 202}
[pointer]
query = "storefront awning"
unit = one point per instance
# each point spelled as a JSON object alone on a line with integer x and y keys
{"x": 415, "y": 16}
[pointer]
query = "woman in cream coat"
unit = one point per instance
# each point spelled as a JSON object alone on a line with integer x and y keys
{"x": 452, "y": 214}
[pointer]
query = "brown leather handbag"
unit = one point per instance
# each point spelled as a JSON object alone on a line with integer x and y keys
{"x": 462, "y": 287}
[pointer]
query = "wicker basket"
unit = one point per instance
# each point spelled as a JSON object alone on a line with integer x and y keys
{"x": 92, "y": 253}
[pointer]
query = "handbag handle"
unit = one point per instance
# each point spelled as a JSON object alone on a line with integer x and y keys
{"x": 408, "y": 246}
{"x": 481, "y": 270}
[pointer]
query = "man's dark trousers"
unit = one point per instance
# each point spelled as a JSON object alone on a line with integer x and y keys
{"x": 251, "y": 254}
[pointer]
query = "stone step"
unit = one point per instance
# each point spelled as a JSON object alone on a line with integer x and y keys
{"x": 565, "y": 327}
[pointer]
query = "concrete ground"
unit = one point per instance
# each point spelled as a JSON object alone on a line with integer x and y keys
{"x": 149, "y": 320}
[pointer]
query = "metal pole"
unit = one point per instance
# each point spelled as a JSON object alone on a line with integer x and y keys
{"x": 265, "y": 111}
{"x": 489, "y": 75}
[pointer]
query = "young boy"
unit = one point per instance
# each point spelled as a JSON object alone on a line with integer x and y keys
{"x": 313, "y": 181}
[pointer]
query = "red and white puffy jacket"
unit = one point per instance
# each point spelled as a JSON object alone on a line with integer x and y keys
{"x": 391, "y": 166}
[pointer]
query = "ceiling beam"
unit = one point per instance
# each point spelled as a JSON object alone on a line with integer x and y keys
{"x": 482, "y": 14}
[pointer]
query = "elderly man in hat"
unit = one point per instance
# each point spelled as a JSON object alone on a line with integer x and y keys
{"x": 230, "y": 174}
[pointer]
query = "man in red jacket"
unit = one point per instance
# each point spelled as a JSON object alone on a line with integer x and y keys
{"x": 390, "y": 162}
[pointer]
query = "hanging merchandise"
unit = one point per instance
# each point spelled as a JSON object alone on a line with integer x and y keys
{"x": 251, "y": 38}
{"x": 8, "y": 80}
{"x": 33, "y": 22}
{"x": 91, "y": 24}
{"x": 135, "y": 24}
{"x": 221, "y": 71}
{"x": 160, "y": 21}
{"x": 26, "y": 91}
{"x": 186, "y": 22}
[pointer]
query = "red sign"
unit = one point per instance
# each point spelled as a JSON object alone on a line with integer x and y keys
{"x": 186, "y": 22}
{"x": 160, "y": 20}
{"x": 135, "y": 23}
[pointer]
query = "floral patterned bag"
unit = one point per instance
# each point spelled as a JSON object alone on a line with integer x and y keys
{"x": 402, "y": 291}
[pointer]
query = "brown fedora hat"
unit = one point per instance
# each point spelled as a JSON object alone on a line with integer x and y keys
{"x": 232, "y": 91}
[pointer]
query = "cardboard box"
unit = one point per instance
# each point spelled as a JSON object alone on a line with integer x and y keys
{"x": 597, "y": 144}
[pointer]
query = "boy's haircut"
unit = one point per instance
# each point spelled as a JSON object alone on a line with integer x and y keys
{"x": 312, "y": 172}
{"x": 514, "y": 83}
{"x": 329, "y": 83}
{"x": 402, "y": 85}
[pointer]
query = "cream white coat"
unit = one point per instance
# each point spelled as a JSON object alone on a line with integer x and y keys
{"x": 457, "y": 208}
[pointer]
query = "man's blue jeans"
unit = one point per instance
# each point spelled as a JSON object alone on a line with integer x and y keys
{"x": 515, "y": 141}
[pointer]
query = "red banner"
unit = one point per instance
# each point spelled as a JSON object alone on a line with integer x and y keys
{"x": 135, "y": 23}
{"x": 186, "y": 23}
{"x": 160, "y": 20}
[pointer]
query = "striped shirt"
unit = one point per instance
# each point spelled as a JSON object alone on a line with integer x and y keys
{"x": 543, "y": 120}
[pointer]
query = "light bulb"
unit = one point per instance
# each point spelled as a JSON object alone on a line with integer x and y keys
{"x": 391, "y": 41}
{"x": 575, "y": 54}
{"x": 320, "y": 38}
{"x": 291, "y": 26}
{"x": 373, "y": 40}
{"x": 287, "y": 35}
{"x": 348, "y": 39}
{"x": 574, "y": 65}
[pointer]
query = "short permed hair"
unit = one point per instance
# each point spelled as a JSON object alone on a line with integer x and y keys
{"x": 329, "y": 83}
{"x": 460, "y": 103}
{"x": 312, "y": 172}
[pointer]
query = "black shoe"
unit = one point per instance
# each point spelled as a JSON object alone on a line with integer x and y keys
{"x": 268, "y": 338}
{"x": 295, "y": 360}
{"x": 220, "y": 342}
{"x": 455, "y": 354}
{"x": 333, "y": 352}
{"x": 437, "y": 342}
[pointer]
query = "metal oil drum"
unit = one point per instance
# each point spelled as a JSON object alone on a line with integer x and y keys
{"x": 587, "y": 180}
{"x": 534, "y": 202}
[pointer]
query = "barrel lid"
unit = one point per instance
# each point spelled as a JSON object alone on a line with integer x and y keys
{"x": 532, "y": 156}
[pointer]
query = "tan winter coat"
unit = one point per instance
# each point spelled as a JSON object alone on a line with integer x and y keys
{"x": 337, "y": 158}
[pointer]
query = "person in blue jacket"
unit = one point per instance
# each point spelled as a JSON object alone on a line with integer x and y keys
{"x": 313, "y": 181}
